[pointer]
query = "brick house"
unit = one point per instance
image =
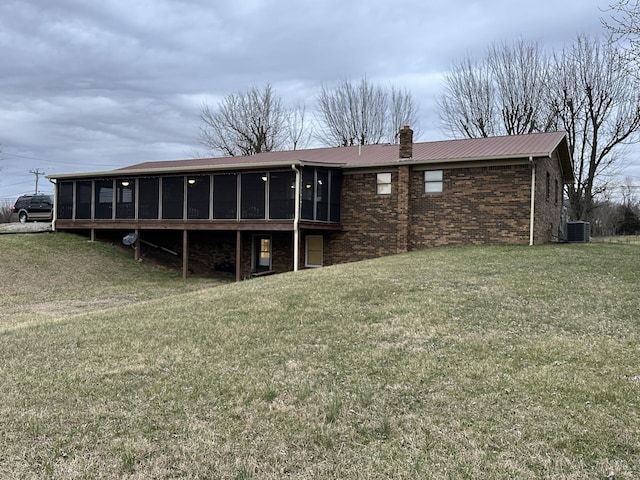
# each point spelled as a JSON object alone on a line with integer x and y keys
{"x": 353, "y": 203}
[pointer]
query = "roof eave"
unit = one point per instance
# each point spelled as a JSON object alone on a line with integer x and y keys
{"x": 440, "y": 161}
{"x": 126, "y": 172}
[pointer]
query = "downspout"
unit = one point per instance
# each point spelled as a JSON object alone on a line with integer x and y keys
{"x": 296, "y": 221}
{"x": 55, "y": 205}
{"x": 533, "y": 199}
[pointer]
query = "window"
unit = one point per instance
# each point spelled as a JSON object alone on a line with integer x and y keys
{"x": 198, "y": 189}
{"x": 308, "y": 180}
{"x": 83, "y": 199}
{"x": 125, "y": 198}
{"x": 313, "y": 247}
{"x": 172, "y": 197}
{"x": 103, "y": 199}
{"x": 556, "y": 192}
{"x": 383, "y": 183}
{"x": 433, "y": 181}
{"x": 322, "y": 195}
{"x": 252, "y": 195}
{"x": 282, "y": 190}
{"x": 334, "y": 195}
{"x": 262, "y": 253}
{"x": 225, "y": 196}
{"x": 45, "y": 201}
{"x": 65, "y": 200}
{"x": 148, "y": 198}
{"x": 548, "y": 188}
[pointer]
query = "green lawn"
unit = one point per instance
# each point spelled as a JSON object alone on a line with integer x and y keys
{"x": 469, "y": 362}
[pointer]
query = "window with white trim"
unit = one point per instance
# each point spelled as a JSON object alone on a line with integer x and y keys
{"x": 261, "y": 260}
{"x": 433, "y": 181}
{"x": 383, "y": 183}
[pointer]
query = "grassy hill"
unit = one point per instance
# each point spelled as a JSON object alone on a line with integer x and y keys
{"x": 468, "y": 362}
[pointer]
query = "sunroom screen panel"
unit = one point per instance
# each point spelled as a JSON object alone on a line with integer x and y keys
{"x": 172, "y": 198}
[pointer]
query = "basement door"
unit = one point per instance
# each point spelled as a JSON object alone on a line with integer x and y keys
{"x": 261, "y": 258}
{"x": 313, "y": 250}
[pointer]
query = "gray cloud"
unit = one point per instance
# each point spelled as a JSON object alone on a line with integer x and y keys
{"x": 96, "y": 85}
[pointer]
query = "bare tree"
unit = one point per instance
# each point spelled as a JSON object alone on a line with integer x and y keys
{"x": 362, "y": 113}
{"x": 584, "y": 90}
{"x": 606, "y": 218}
{"x": 501, "y": 95}
{"x": 620, "y": 217}
{"x": 598, "y": 104}
{"x": 630, "y": 193}
{"x": 245, "y": 123}
{"x": 520, "y": 76}
{"x": 403, "y": 110}
{"x": 5, "y": 210}
{"x": 625, "y": 26}
{"x": 467, "y": 107}
{"x": 297, "y": 130}
{"x": 629, "y": 209}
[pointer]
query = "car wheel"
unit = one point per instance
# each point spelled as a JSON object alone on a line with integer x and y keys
{"x": 22, "y": 217}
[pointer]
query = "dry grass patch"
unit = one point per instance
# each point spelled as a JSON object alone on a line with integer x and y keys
{"x": 50, "y": 276}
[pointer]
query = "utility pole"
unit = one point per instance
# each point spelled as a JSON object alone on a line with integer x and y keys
{"x": 37, "y": 173}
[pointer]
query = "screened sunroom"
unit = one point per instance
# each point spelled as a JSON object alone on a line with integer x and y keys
{"x": 198, "y": 197}
{"x": 257, "y": 207}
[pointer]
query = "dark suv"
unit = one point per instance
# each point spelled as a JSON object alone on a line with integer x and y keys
{"x": 33, "y": 207}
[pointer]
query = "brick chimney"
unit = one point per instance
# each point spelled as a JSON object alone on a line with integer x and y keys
{"x": 406, "y": 142}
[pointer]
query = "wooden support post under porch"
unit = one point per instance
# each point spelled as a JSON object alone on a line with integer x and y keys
{"x": 185, "y": 254}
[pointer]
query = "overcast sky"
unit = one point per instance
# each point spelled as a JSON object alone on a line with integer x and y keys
{"x": 93, "y": 86}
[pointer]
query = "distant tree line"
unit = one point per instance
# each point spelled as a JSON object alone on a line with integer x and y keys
{"x": 5, "y": 210}
{"x": 620, "y": 216}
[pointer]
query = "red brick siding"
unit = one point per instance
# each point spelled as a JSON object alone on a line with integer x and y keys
{"x": 404, "y": 210}
{"x": 209, "y": 248}
{"x": 477, "y": 205}
{"x": 370, "y": 220}
{"x": 548, "y": 208}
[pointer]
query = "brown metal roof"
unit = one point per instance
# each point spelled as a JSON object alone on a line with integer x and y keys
{"x": 475, "y": 149}
{"x": 534, "y": 145}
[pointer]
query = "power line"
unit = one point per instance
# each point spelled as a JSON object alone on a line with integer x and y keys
{"x": 13, "y": 184}
{"x": 23, "y": 156}
{"x": 61, "y": 162}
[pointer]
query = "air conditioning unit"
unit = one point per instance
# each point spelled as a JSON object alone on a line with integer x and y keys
{"x": 578, "y": 232}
